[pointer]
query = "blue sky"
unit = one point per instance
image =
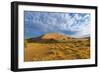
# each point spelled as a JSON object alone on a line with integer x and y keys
{"x": 66, "y": 23}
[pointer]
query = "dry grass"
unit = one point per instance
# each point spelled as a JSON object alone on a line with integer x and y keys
{"x": 69, "y": 50}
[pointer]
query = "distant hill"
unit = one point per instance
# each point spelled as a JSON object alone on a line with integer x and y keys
{"x": 54, "y": 36}
{"x": 49, "y": 37}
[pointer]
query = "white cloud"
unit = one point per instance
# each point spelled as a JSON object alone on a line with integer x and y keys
{"x": 78, "y": 23}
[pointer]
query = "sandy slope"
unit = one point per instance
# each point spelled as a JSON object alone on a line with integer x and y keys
{"x": 69, "y": 49}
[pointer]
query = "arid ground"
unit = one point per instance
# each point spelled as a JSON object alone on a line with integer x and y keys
{"x": 53, "y": 46}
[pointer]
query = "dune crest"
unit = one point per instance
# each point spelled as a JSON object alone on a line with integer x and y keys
{"x": 54, "y": 36}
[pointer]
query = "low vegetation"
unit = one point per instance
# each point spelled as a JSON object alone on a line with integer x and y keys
{"x": 52, "y": 49}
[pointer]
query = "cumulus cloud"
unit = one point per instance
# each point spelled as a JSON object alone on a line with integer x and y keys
{"x": 71, "y": 24}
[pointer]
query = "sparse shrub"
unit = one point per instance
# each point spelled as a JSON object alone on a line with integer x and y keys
{"x": 87, "y": 44}
{"x": 25, "y": 43}
{"x": 57, "y": 50}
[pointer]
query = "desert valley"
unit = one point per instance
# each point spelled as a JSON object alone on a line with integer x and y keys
{"x": 53, "y": 46}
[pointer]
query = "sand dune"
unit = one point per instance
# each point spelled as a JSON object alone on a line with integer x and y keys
{"x": 53, "y": 46}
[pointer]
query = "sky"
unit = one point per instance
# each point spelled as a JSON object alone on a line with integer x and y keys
{"x": 75, "y": 25}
